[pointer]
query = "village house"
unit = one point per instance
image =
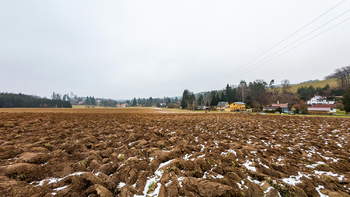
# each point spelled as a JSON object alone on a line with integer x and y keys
{"x": 123, "y": 105}
{"x": 236, "y": 106}
{"x": 221, "y": 106}
{"x": 322, "y": 109}
{"x": 283, "y": 106}
{"x": 319, "y": 100}
{"x": 270, "y": 108}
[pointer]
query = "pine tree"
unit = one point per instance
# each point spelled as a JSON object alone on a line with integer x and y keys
{"x": 223, "y": 98}
{"x": 185, "y": 97}
{"x": 346, "y": 100}
{"x": 200, "y": 99}
{"x": 229, "y": 94}
{"x": 213, "y": 100}
{"x": 134, "y": 103}
{"x": 150, "y": 101}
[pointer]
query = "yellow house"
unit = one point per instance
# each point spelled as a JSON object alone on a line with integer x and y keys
{"x": 236, "y": 106}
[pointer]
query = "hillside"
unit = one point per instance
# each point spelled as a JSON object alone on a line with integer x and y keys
{"x": 332, "y": 83}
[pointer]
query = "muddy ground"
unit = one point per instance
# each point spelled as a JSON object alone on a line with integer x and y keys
{"x": 137, "y": 152}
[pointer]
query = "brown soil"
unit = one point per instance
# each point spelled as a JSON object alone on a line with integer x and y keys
{"x": 127, "y": 152}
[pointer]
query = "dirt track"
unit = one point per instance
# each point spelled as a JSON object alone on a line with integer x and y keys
{"x": 97, "y": 152}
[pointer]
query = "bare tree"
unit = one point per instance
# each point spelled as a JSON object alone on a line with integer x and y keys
{"x": 343, "y": 76}
{"x": 242, "y": 90}
{"x": 285, "y": 85}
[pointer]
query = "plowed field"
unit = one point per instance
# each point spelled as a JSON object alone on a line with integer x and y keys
{"x": 135, "y": 152}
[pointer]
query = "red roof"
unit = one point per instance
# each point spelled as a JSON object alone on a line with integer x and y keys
{"x": 323, "y": 106}
{"x": 282, "y": 105}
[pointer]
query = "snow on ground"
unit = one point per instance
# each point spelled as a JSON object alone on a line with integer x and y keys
{"x": 340, "y": 177}
{"x": 54, "y": 180}
{"x": 319, "y": 192}
{"x": 154, "y": 180}
{"x": 247, "y": 165}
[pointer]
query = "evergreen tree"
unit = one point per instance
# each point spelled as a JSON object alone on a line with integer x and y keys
{"x": 134, "y": 103}
{"x": 150, "y": 101}
{"x": 214, "y": 98}
{"x": 92, "y": 100}
{"x": 223, "y": 98}
{"x": 185, "y": 97}
{"x": 346, "y": 100}
{"x": 234, "y": 96}
{"x": 229, "y": 94}
{"x": 87, "y": 101}
{"x": 200, "y": 99}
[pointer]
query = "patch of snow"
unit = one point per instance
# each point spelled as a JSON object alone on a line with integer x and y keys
{"x": 187, "y": 157}
{"x": 155, "y": 179}
{"x": 254, "y": 181}
{"x": 168, "y": 183}
{"x": 319, "y": 192}
{"x": 60, "y": 188}
{"x": 292, "y": 180}
{"x": 54, "y": 180}
{"x": 262, "y": 164}
{"x": 232, "y": 151}
{"x": 121, "y": 184}
{"x": 202, "y": 149}
{"x": 240, "y": 186}
{"x": 247, "y": 165}
{"x": 201, "y": 156}
{"x": 340, "y": 177}
{"x": 315, "y": 165}
{"x": 218, "y": 176}
{"x": 268, "y": 190}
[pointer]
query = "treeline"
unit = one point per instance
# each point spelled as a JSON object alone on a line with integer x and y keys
{"x": 159, "y": 102}
{"x": 254, "y": 94}
{"x": 306, "y": 93}
{"x": 9, "y": 100}
{"x": 89, "y": 100}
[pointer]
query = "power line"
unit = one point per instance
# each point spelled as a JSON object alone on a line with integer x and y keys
{"x": 280, "y": 42}
{"x": 297, "y": 45}
{"x": 295, "y": 41}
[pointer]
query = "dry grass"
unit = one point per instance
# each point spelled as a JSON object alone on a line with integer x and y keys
{"x": 317, "y": 84}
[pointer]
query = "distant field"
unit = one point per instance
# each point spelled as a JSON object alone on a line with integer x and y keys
{"x": 332, "y": 83}
{"x": 86, "y": 106}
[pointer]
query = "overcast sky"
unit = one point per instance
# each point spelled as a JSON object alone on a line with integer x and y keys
{"x": 126, "y": 49}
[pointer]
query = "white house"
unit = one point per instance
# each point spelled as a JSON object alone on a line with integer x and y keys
{"x": 328, "y": 108}
{"x": 319, "y": 100}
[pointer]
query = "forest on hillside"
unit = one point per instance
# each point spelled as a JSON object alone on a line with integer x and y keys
{"x": 10, "y": 100}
